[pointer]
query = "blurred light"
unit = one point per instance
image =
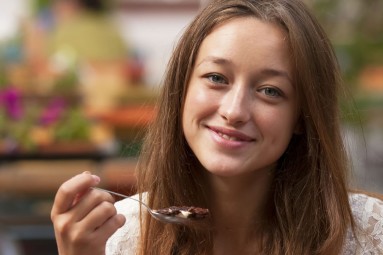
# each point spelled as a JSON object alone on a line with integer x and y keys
{"x": 11, "y": 15}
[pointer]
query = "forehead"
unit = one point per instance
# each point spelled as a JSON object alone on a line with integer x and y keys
{"x": 248, "y": 40}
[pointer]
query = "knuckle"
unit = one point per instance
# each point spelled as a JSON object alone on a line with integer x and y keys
{"x": 53, "y": 216}
{"x": 118, "y": 221}
{"x": 62, "y": 226}
{"x": 108, "y": 197}
{"x": 65, "y": 189}
{"x": 108, "y": 208}
{"x": 100, "y": 195}
{"x": 96, "y": 196}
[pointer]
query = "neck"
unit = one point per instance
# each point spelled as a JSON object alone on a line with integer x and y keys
{"x": 238, "y": 205}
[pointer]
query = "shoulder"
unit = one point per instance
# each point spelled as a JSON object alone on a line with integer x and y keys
{"x": 368, "y": 216}
{"x": 125, "y": 239}
{"x": 364, "y": 206}
{"x": 367, "y": 210}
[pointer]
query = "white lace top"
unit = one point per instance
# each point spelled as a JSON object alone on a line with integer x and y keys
{"x": 368, "y": 213}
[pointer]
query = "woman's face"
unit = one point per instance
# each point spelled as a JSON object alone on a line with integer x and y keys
{"x": 241, "y": 106}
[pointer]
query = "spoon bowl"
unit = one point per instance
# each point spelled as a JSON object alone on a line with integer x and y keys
{"x": 180, "y": 218}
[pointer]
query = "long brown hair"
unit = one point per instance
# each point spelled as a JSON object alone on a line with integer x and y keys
{"x": 310, "y": 209}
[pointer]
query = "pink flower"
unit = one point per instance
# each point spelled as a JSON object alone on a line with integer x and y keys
{"x": 11, "y": 99}
{"x": 53, "y": 111}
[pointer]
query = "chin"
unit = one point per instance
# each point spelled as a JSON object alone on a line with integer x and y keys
{"x": 223, "y": 171}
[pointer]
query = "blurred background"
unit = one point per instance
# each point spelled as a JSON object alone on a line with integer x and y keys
{"x": 78, "y": 79}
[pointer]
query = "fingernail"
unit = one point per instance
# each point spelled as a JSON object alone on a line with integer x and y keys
{"x": 96, "y": 178}
{"x": 86, "y": 172}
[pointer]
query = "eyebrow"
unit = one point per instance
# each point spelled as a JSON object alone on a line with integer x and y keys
{"x": 263, "y": 72}
{"x": 275, "y": 72}
{"x": 215, "y": 60}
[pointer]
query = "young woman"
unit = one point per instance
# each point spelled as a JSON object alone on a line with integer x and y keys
{"x": 247, "y": 126}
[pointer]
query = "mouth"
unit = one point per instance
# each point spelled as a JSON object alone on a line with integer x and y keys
{"x": 231, "y": 135}
{"x": 226, "y": 137}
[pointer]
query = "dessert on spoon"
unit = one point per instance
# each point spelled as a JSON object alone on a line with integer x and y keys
{"x": 174, "y": 214}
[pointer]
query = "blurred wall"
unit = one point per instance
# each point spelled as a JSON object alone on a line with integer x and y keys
{"x": 153, "y": 34}
{"x": 11, "y": 14}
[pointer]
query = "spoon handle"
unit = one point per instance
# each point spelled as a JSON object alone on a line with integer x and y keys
{"x": 123, "y": 196}
{"x": 112, "y": 192}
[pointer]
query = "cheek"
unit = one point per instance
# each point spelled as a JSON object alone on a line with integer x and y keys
{"x": 192, "y": 100}
{"x": 199, "y": 103}
{"x": 277, "y": 122}
{"x": 196, "y": 93}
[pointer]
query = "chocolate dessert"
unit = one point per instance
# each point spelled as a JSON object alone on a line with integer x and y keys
{"x": 189, "y": 212}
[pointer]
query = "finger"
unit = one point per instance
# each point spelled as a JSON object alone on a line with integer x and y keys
{"x": 98, "y": 216}
{"x": 81, "y": 194}
{"x": 110, "y": 226}
{"x": 96, "y": 238}
{"x": 69, "y": 190}
{"x": 89, "y": 202}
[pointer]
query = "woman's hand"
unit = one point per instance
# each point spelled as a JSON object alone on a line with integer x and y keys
{"x": 83, "y": 218}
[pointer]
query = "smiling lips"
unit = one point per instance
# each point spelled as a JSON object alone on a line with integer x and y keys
{"x": 231, "y": 135}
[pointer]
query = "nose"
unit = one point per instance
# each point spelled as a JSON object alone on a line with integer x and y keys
{"x": 234, "y": 107}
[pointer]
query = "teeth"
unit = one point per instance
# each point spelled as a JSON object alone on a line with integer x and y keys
{"x": 226, "y": 137}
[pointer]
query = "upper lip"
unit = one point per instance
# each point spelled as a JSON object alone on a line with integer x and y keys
{"x": 233, "y": 133}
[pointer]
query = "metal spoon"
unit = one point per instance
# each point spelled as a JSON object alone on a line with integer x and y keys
{"x": 176, "y": 219}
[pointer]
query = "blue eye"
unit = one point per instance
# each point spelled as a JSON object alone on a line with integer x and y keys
{"x": 272, "y": 92}
{"x": 215, "y": 78}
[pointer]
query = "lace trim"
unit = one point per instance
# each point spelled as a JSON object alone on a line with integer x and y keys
{"x": 367, "y": 211}
{"x": 124, "y": 241}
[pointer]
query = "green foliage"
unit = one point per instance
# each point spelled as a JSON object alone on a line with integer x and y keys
{"x": 39, "y": 5}
{"x": 73, "y": 126}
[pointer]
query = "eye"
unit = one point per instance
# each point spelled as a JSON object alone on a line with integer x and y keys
{"x": 216, "y": 78}
{"x": 271, "y": 92}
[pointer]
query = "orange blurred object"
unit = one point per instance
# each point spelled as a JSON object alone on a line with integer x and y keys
{"x": 129, "y": 116}
{"x": 371, "y": 79}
